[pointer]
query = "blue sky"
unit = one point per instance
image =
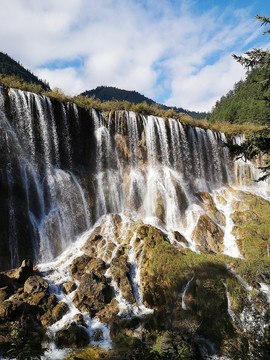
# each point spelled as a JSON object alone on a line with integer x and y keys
{"x": 177, "y": 52}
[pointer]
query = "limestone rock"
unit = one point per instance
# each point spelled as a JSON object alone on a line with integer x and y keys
{"x": 23, "y": 272}
{"x": 94, "y": 244}
{"x": 79, "y": 319}
{"x": 77, "y": 267}
{"x": 242, "y": 217}
{"x": 11, "y": 310}
{"x": 97, "y": 335}
{"x": 92, "y": 294}
{"x": 208, "y": 235}
{"x": 120, "y": 273}
{"x": 96, "y": 266}
{"x": 73, "y": 337}
{"x": 59, "y": 311}
{"x": 210, "y": 207}
{"x": 180, "y": 238}
{"x": 109, "y": 312}
{"x": 35, "y": 284}
{"x": 69, "y": 287}
{"x": 55, "y": 312}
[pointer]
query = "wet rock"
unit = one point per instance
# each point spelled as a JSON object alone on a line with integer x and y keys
{"x": 92, "y": 294}
{"x": 109, "y": 250}
{"x": 109, "y": 312}
{"x": 47, "y": 319}
{"x": 73, "y": 337}
{"x": 39, "y": 299}
{"x": 159, "y": 207}
{"x": 53, "y": 313}
{"x": 80, "y": 320}
{"x": 69, "y": 287}
{"x": 96, "y": 266}
{"x": 120, "y": 273}
{"x": 35, "y": 284}
{"x": 208, "y": 235}
{"x": 94, "y": 244}
{"x": 180, "y": 238}
{"x": 23, "y": 272}
{"x": 97, "y": 335}
{"x": 59, "y": 311}
{"x": 77, "y": 267}
{"x": 210, "y": 207}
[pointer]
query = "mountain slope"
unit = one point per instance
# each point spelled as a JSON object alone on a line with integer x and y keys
{"x": 9, "y": 66}
{"x": 108, "y": 93}
{"x": 246, "y": 102}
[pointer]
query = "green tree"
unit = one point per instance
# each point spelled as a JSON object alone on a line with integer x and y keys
{"x": 259, "y": 141}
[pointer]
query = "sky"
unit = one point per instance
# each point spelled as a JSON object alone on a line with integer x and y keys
{"x": 176, "y": 52}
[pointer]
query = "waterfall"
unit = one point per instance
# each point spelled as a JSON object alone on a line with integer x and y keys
{"x": 184, "y": 307}
{"x": 64, "y": 167}
{"x": 46, "y": 204}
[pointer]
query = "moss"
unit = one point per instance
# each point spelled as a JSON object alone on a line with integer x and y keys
{"x": 90, "y": 353}
{"x": 252, "y": 226}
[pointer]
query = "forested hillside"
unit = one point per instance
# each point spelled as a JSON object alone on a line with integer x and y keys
{"x": 110, "y": 93}
{"x": 247, "y": 102}
{"x": 9, "y": 67}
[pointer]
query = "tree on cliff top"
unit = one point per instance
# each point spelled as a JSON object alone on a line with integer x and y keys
{"x": 259, "y": 141}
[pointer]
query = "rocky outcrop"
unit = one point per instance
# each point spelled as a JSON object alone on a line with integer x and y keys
{"x": 73, "y": 336}
{"x": 69, "y": 287}
{"x": 209, "y": 206}
{"x": 29, "y": 310}
{"x": 93, "y": 294}
{"x": 208, "y": 235}
{"x": 120, "y": 273}
{"x": 35, "y": 284}
{"x": 251, "y": 219}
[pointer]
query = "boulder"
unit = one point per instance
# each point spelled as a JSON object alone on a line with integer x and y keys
{"x": 59, "y": 311}
{"x": 74, "y": 336}
{"x": 94, "y": 244}
{"x": 93, "y": 294}
{"x": 77, "y": 267}
{"x": 108, "y": 313}
{"x": 69, "y": 287}
{"x": 96, "y": 266}
{"x": 208, "y": 235}
{"x": 35, "y": 284}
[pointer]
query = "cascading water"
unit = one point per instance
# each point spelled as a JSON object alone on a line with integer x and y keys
{"x": 64, "y": 169}
{"x": 44, "y": 198}
{"x": 145, "y": 167}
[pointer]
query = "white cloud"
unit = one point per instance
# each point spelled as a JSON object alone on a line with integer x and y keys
{"x": 201, "y": 90}
{"x": 136, "y": 45}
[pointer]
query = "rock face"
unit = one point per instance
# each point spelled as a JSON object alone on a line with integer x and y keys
{"x": 210, "y": 207}
{"x": 208, "y": 235}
